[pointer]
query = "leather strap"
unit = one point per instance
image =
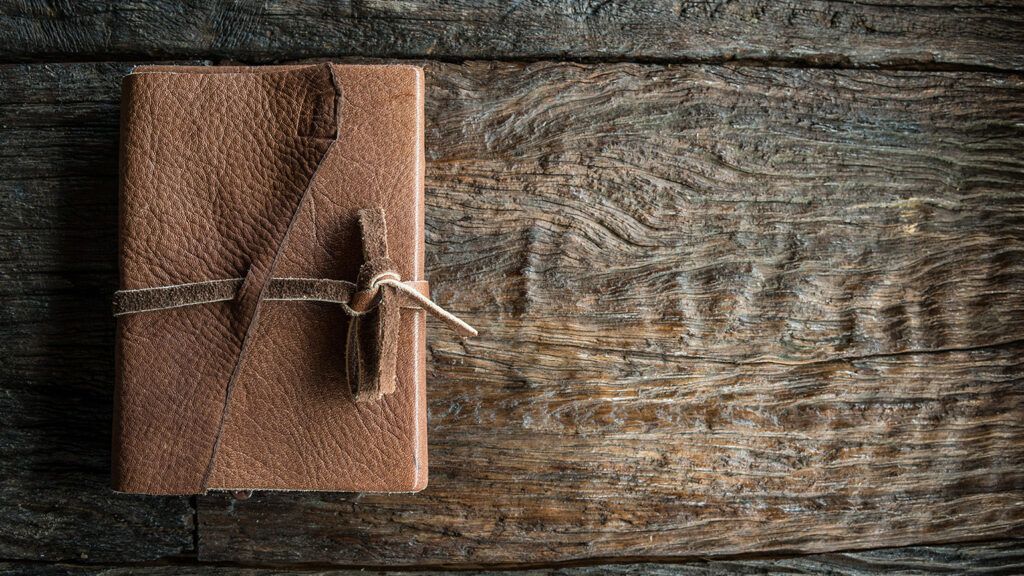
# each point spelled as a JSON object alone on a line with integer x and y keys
{"x": 371, "y": 345}
{"x": 294, "y": 289}
{"x": 373, "y": 303}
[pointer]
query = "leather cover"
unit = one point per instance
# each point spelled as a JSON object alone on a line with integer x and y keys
{"x": 258, "y": 173}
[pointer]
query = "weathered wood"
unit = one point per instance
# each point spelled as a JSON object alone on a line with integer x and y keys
{"x": 819, "y": 32}
{"x": 967, "y": 559}
{"x": 723, "y": 310}
{"x": 58, "y": 149}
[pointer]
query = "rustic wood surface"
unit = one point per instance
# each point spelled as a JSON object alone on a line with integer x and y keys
{"x": 725, "y": 310}
{"x": 749, "y": 275}
{"x": 928, "y": 33}
{"x": 967, "y": 559}
{"x": 722, "y": 310}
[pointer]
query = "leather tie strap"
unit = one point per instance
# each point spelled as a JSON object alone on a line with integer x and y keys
{"x": 371, "y": 344}
{"x": 373, "y": 304}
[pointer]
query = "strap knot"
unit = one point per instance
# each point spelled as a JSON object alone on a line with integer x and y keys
{"x": 373, "y": 303}
{"x": 371, "y": 278}
{"x": 374, "y": 310}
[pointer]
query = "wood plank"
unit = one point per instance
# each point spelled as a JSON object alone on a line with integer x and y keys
{"x": 58, "y": 147}
{"x": 934, "y": 33}
{"x": 967, "y": 559}
{"x": 723, "y": 311}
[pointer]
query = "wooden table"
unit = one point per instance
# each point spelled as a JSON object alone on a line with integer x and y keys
{"x": 749, "y": 276}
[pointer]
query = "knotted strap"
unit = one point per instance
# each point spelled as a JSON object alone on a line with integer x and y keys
{"x": 373, "y": 303}
{"x": 371, "y": 345}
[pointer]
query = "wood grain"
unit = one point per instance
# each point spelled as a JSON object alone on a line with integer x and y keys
{"x": 915, "y": 33}
{"x": 723, "y": 310}
{"x": 998, "y": 558}
{"x": 58, "y": 149}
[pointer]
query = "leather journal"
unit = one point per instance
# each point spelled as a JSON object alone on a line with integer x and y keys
{"x": 271, "y": 314}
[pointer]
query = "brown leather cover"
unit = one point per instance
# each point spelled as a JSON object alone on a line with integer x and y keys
{"x": 258, "y": 172}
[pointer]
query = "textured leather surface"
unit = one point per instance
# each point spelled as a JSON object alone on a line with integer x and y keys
{"x": 258, "y": 173}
